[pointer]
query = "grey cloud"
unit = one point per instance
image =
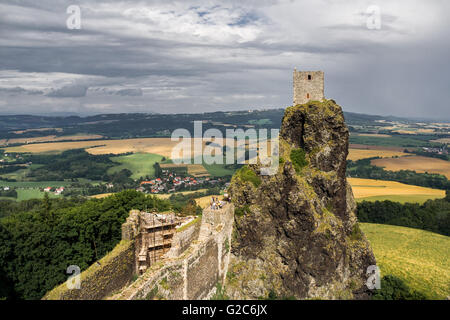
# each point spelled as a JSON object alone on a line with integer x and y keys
{"x": 20, "y": 90}
{"x": 400, "y": 72}
{"x": 129, "y": 92}
{"x": 69, "y": 91}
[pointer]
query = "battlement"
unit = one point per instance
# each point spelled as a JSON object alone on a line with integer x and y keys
{"x": 308, "y": 86}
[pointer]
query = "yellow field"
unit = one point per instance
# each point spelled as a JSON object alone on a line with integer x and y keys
{"x": 378, "y": 135}
{"x": 203, "y": 202}
{"x": 363, "y": 188}
{"x": 196, "y": 170}
{"x": 101, "y": 196}
{"x": 50, "y": 138}
{"x": 442, "y": 140}
{"x": 416, "y": 163}
{"x": 166, "y": 196}
{"x": 162, "y": 146}
{"x": 356, "y": 154}
{"x": 420, "y": 258}
{"x": 38, "y": 130}
{"x": 162, "y": 196}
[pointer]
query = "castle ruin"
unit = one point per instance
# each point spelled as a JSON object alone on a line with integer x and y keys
{"x": 308, "y": 86}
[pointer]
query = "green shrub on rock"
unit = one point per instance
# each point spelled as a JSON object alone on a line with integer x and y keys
{"x": 247, "y": 174}
{"x": 298, "y": 158}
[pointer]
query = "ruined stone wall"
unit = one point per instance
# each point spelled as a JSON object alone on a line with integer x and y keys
{"x": 104, "y": 277}
{"x": 183, "y": 239}
{"x": 195, "y": 273}
{"x": 306, "y": 89}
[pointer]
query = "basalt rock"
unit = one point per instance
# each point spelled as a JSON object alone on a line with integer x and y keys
{"x": 296, "y": 233}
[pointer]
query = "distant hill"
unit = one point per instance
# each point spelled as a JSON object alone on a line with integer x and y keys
{"x": 130, "y": 125}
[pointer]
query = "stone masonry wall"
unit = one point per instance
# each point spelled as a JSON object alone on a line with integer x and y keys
{"x": 183, "y": 239}
{"x": 195, "y": 273}
{"x": 304, "y": 87}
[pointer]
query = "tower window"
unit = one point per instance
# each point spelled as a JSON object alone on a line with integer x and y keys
{"x": 309, "y": 77}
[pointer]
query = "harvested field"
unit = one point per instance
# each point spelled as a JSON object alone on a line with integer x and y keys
{"x": 50, "y": 139}
{"x": 416, "y": 163}
{"x": 363, "y": 188}
{"x": 161, "y": 146}
{"x": 379, "y": 135}
{"x": 442, "y": 140}
{"x": 196, "y": 170}
{"x": 357, "y": 154}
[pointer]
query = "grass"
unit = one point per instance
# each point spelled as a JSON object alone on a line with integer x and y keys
{"x": 247, "y": 174}
{"x": 419, "y": 257}
{"x": 27, "y": 194}
{"x": 416, "y": 163}
{"x": 218, "y": 170}
{"x": 33, "y": 184}
{"x": 187, "y": 225}
{"x": 167, "y": 195}
{"x": 140, "y": 164}
{"x": 298, "y": 159}
{"x": 398, "y": 141}
{"x": 364, "y": 188}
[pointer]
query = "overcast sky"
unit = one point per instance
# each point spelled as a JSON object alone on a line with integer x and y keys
{"x": 199, "y": 56}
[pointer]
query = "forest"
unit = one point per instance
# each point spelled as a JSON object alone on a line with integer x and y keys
{"x": 39, "y": 239}
{"x": 433, "y": 215}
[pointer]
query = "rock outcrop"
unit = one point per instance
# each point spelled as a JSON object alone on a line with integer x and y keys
{"x": 296, "y": 234}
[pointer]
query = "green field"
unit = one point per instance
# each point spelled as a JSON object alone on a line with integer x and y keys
{"x": 415, "y": 198}
{"x": 140, "y": 164}
{"x": 394, "y": 141}
{"x": 215, "y": 170}
{"x": 20, "y": 174}
{"x": 218, "y": 170}
{"x": 420, "y": 258}
{"x": 33, "y": 184}
{"x": 27, "y": 194}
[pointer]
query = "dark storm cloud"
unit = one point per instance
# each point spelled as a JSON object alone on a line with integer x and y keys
{"x": 207, "y": 55}
{"x": 71, "y": 91}
{"x": 19, "y": 90}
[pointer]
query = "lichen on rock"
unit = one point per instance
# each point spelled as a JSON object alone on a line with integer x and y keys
{"x": 296, "y": 231}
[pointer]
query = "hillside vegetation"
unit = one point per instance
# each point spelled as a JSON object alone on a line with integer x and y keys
{"x": 40, "y": 239}
{"x": 420, "y": 258}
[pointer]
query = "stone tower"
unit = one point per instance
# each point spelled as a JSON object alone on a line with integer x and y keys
{"x": 308, "y": 86}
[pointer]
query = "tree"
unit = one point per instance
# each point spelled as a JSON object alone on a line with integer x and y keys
{"x": 46, "y": 205}
{"x": 394, "y": 288}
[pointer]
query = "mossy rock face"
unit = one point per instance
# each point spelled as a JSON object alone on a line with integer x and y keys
{"x": 298, "y": 227}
